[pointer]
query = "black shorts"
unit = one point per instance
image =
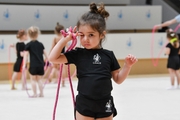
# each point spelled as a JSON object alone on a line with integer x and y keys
{"x": 36, "y": 70}
{"x": 95, "y": 108}
{"x": 173, "y": 62}
{"x": 18, "y": 65}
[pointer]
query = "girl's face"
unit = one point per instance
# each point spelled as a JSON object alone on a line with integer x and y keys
{"x": 89, "y": 38}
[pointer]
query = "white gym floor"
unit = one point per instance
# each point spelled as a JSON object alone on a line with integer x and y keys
{"x": 137, "y": 98}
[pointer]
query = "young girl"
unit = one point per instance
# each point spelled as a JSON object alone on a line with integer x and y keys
{"x": 36, "y": 69}
{"x": 56, "y": 67}
{"x": 95, "y": 66}
{"x": 173, "y": 64}
{"x": 20, "y": 46}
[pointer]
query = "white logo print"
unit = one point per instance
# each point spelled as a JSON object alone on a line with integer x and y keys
{"x": 96, "y": 59}
{"x": 108, "y": 106}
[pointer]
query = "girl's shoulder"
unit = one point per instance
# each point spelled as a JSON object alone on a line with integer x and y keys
{"x": 56, "y": 39}
{"x": 106, "y": 50}
{"x": 169, "y": 45}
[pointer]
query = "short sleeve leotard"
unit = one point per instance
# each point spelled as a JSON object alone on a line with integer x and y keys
{"x": 20, "y": 46}
{"x": 94, "y": 69}
{"x": 36, "y": 50}
{"x": 173, "y": 58}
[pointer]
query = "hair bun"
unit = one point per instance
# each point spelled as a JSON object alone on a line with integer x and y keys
{"x": 20, "y": 33}
{"x": 100, "y": 10}
{"x": 57, "y": 23}
{"x": 93, "y": 7}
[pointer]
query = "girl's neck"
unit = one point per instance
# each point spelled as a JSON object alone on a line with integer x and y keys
{"x": 21, "y": 40}
{"x": 33, "y": 40}
{"x": 59, "y": 35}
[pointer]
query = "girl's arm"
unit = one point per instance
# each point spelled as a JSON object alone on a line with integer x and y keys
{"x": 120, "y": 75}
{"x": 53, "y": 44}
{"x": 45, "y": 54}
{"x": 22, "y": 53}
{"x": 55, "y": 55}
{"x": 167, "y": 23}
{"x": 25, "y": 57}
{"x": 167, "y": 51}
{"x": 14, "y": 47}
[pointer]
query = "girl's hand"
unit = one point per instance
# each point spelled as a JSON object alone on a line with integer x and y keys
{"x": 12, "y": 45}
{"x": 23, "y": 67}
{"x": 157, "y": 26}
{"x": 70, "y": 33}
{"x": 130, "y": 60}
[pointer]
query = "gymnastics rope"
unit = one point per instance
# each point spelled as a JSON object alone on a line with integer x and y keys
{"x": 25, "y": 82}
{"x": 73, "y": 44}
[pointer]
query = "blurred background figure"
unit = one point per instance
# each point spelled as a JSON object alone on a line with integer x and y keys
{"x": 19, "y": 49}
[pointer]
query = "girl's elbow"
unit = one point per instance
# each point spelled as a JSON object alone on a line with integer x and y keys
{"x": 51, "y": 59}
{"x": 118, "y": 81}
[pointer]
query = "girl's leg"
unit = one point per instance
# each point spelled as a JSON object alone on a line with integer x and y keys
{"x": 33, "y": 83}
{"x": 81, "y": 117}
{"x": 14, "y": 76}
{"x": 172, "y": 77}
{"x": 47, "y": 73}
{"x": 106, "y": 118}
{"x": 23, "y": 76}
{"x": 178, "y": 78}
{"x": 40, "y": 84}
{"x": 51, "y": 74}
{"x": 56, "y": 71}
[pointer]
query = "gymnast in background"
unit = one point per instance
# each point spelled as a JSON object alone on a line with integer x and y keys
{"x": 19, "y": 48}
{"x": 173, "y": 63}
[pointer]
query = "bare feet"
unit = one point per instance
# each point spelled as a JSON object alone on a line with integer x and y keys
{"x": 33, "y": 96}
{"x": 26, "y": 89}
{"x": 13, "y": 88}
{"x": 40, "y": 95}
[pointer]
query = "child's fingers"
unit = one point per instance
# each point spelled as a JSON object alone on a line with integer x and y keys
{"x": 132, "y": 58}
{"x": 75, "y": 29}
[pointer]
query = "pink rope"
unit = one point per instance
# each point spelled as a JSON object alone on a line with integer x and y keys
{"x": 48, "y": 75}
{"x": 73, "y": 44}
{"x": 155, "y": 61}
{"x": 45, "y": 67}
{"x": 9, "y": 63}
{"x": 57, "y": 92}
{"x": 72, "y": 91}
{"x": 177, "y": 27}
{"x": 25, "y": 81}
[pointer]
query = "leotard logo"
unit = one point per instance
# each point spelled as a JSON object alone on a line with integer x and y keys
{"x": 108, "y": 106}
{"x": 96, "y": 59}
